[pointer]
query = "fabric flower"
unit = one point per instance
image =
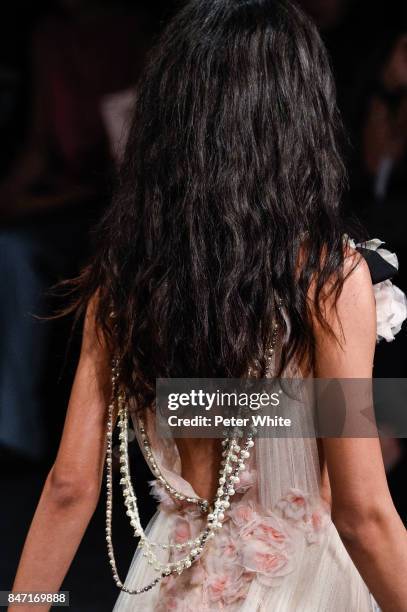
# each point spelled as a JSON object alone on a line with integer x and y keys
{"x": 311, "y": 515}
{"x": 293, "y": 505}
{"x": 247, "y": 479}
{"x": 270, "y": 530}
{"x": 316, "y": 525}
{"x": 227, "y": 545}
{"x": 243, "y": 514}
{"x": 197, "y": 574}
{"x": 391, "y": 308}
{"x": 182, "y": 531}
{"x": 185, "y": 528}
{"x": 174, "y": 601}
{"x": 225, "y": 583}
{"x": 391, "y": 302}
{"x": 182, "y": 593}
{"x": 269, "y": 564}
{"x": 226, "y": 586}
{"x": 256, "y": 542}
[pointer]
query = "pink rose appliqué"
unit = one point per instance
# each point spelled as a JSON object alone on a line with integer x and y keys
{"x": 317, "y": 524}
{"x": 186, "y": 526}
{"x": 294, "y": 505}
{"x": 270, "y": 530}
{"x": 253, "y": 544}
{"x": 227, "y": 546}
{"x": 225, "y": 582}
{"x": 244, "y": 514}
{"x": 182, "y": 531}
{"x": 173, "y": 600}
{"x": 260, "y": 542}
{"x": 270, "y": 564}
{"x": 311, "y": 515}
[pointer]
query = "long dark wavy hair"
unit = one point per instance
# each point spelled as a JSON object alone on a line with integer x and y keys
{"x": 228, "y": 198}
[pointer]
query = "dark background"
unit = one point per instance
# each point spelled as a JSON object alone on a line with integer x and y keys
{"x": 46, "y": 215}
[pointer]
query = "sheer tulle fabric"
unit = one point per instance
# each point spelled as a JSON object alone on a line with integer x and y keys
{"x": 278, "y": 550}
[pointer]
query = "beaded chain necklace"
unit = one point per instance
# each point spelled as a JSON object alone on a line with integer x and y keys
{"x": 236, "y": 449}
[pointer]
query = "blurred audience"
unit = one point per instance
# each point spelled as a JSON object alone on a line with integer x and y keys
{"x": 326, "y": 13}
{"x": 383, "y": 124}
{"x": 55, "y": 190}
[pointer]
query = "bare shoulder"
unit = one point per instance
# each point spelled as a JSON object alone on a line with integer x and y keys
{"x": 356, "y": 268}
{"x": 346, "y": 347}
{"x": 357, "y": 299}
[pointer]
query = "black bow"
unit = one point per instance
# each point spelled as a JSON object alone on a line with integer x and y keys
{"x": 380, "y": 269}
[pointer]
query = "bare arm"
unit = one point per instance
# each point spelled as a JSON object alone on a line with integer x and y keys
{"x": 71, "y": 491}
{"x": 362, "y": 508}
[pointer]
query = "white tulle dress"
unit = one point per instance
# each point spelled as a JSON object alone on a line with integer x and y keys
{"x": 278, "y": 550}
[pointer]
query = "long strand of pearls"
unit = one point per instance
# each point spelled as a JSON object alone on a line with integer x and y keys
{"x": 109, "y": 488}
{"x": 232, "y": 464}
{"x": 228, "y": 476}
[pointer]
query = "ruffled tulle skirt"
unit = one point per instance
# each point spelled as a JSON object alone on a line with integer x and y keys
{"x": 321, "y": 578}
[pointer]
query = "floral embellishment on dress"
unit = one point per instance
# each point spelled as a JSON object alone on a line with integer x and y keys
{"x": 316, "y": 525}
{"x": 228, "y": 548}
{"x": 186, "y": 526}
{"x": 391, "y": 302}
{"x": 311, "y": 515}
{"x": 265, "y": 546}
{"x": 225, "y": 583}
{"x": 293, "y": 505}
{"x": 254, "y": 544}
{"x": 173, "y": 600}
{"x": 244, "y": 515}
{"x": 391, "y": 308}
{"x": 270, "y": 530}
{"x": 182, "y": 530}
{"x": 269, "y": 564}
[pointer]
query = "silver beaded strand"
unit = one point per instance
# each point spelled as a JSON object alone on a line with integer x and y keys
{"x": 214, "y": 519}
{"x": 232, "y": 464}
{"x": 234, "y": 453}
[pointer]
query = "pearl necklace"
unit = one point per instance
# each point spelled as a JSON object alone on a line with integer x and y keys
{"x": 232, "y": 464}
{"x": 214, "y": 519}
